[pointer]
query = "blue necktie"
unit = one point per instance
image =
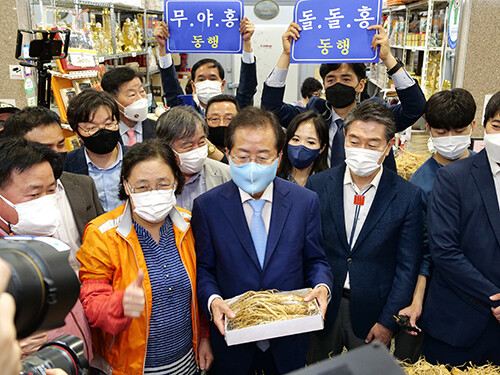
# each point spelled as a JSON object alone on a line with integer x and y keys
{"x": 258, "y": 229}
{"x": 337, "y": 155}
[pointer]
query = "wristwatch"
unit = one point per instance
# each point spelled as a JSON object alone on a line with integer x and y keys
{"x": 211, "y": 149}
{"x": 396, "y": 67}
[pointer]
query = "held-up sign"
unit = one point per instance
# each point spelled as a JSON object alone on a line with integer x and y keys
{"x": 335, "y": 31}
{"x": 204, "y": 26}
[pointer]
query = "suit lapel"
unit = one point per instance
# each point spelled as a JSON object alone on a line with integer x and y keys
{"x": 75, "y": 197}
{"x": 281, "y": 208}
{"x": 148, "y": 129}
{"x": 481, "y": 172}
{"x": 386, "y": 191}
{"x": 233, "y": 210}
{"x": 335, "y": 189}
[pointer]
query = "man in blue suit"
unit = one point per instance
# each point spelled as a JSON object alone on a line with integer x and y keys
{"x": 257, "y": 232}
{"x": 372, "y": 230}
{"x": 344, "y": 84}
{"x": 461, "y": 316}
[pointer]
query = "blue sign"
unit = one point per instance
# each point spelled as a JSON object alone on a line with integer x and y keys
{"x": 204, "y": 26}
{"x": 335, "y": 31}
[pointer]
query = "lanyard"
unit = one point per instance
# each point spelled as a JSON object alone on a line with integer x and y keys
{"x": 359, "y": 200}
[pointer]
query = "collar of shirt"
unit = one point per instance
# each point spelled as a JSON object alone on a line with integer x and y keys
{"x": 117, "y": 161}
{"x": 266, "y": 209}
{"x": 495, "y": 168}
{"x": 194, "y": 178}
{"x": 267, "y": 195}
{"x": 125, "y": 128}
{"x": 375, "y": 182}
{"x": 59, "y": 189}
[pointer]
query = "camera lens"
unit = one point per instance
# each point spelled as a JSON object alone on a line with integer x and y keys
{"x": 43, "y": 284}
{"x": 65, "y": 352}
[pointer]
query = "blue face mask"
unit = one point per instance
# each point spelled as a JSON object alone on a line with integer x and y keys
{"x": 251, "y": 177}
{"x": 301, "y": 156}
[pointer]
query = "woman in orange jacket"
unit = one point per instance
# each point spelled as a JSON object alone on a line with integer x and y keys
{"x": 138, "y": 274}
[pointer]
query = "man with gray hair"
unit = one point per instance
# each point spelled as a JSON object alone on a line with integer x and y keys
{"x": 185, "y": 130}
{"x": 372, "y": 235}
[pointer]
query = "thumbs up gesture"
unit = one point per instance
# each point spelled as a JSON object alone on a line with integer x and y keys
{"x": 133, "y": 298}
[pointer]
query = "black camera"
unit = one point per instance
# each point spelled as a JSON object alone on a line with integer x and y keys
{"x": 43, "y": 284}
{"x": 65, "y": 352}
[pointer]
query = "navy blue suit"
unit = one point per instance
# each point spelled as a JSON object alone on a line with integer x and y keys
{"x": 464, "y": 240}
{"x": 244, "y": 94}
{"x": 384, "y": 262}
{"x": 411, "y": 107}
{"x": 228, "y": 264}
{"x": 76, "y": 163}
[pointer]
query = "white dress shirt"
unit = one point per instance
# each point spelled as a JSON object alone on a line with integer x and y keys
{"x": 350, "y": 190}
{"x": 495, "y": 171}
{"x": 67, "y": 231}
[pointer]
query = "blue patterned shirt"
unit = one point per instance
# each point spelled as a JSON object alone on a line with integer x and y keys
{"x": 170, "y": 328}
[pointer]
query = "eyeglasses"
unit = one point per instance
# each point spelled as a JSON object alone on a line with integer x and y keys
{"x": 145, "y": 188}
{"x": 217, "y": 120}
{"x": 262, "y": 160}
{"x": 94, "y": 129}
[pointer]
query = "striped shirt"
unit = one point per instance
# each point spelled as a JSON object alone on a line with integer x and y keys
{"x": 169, "y": 348}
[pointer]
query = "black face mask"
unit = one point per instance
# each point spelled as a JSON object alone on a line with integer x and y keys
{"x": 217, "y": 135}
{"x": 340, "y": 95}
{"x": 102, "y": 142}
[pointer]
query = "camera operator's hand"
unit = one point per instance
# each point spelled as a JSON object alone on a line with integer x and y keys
{"x": 55, "y": 371}
{"x": 31, "y": 344}
{"x": 133, "y": 298}
{"x": 10, "y": 353}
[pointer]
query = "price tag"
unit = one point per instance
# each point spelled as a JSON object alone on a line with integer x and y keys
{"x": 134, "y": 54}
{"x": 101, "y": 59}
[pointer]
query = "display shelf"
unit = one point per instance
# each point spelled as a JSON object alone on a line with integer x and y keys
{"x": 75, "y": 75}
{"x": 102, "y": 58}
{"x": 406, "y": 42}
{"x": 116, "y": 13}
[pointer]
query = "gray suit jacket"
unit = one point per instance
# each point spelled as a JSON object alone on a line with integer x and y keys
{"x": 83, "y": 198}
{"x": 216, "y": 173}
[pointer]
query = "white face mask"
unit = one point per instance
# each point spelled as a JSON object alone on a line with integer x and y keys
{"x": 492, "y": 146}
{"x": 192, "y": 161}
{"x": 153, "y": 206}
{"x": 37, "y": 217}
{"x": 206, "y": 90}
{"x": 137, "y": 111}
{"x": 363, "y": 162}
{"x": 451, "y": 147}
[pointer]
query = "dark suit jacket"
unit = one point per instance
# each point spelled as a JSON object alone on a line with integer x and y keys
{"x": 148, "y": 130}
{"x": 384, "y": 262}
{"x": 228, "y": 264}
{"x": 464, "y": 239}
{"x": 76, "y": 163}
{"x": 244, "y": 94}
{"x": 83, "y": 198}
{"x": 411, "y": 107}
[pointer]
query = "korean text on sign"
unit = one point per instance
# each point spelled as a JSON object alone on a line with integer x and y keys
{"x": 202, "y": 26}
{"x": 335, "y": 31}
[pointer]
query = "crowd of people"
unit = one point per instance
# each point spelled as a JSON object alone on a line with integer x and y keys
{"x": 166, "y": 220}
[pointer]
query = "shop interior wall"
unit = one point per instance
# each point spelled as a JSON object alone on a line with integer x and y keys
{"x": 9, "y": 88}
{"x": 478, "y": 55}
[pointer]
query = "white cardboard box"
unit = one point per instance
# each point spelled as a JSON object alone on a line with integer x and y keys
{"x": 276, "y": 329}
